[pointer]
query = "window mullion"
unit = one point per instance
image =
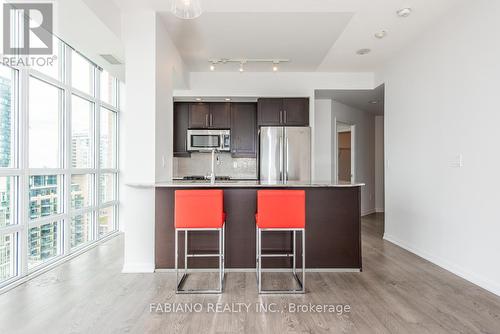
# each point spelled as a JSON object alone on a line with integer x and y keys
{"x": 97, "y": 150}
{"x": 66, "y": 228}
{"x": 23, "y": 185}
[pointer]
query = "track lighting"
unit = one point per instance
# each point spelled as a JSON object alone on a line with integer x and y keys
{"x": 242, "y": 61}
{"x": 275, "y": 66}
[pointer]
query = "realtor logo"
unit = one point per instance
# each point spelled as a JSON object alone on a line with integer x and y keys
{"x": 34, "y": 22}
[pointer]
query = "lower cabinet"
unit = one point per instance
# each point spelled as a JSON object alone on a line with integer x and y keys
{"x": 244, "y": 130}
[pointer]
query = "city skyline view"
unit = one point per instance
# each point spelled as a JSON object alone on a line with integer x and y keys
{"x": 92, "y": 129}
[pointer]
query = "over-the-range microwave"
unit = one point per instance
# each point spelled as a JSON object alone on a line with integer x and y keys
{"x": 207, "y": 140}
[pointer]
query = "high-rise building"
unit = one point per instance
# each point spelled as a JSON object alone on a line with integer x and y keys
{"x": 5, "y": 124}
{"x": 6, "y": 243}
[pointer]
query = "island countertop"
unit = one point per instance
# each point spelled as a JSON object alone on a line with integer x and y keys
{"x": 244, "y": 184}
{"x": 333, "y": 226}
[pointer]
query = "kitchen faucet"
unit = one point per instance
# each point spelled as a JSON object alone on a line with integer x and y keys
{"x": 211, "y": 176}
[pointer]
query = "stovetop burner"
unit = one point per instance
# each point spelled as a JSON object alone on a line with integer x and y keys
{"x": 201, "y": 178}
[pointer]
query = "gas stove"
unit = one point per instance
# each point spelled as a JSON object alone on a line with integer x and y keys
{"x": 201, "y": 178}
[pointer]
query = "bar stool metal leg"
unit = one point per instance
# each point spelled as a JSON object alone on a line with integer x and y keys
{"x": 300, "y": 282}
{"x": 179, "y": 284}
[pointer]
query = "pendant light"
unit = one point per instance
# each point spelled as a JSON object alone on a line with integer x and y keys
{"x": 186, "y": 9}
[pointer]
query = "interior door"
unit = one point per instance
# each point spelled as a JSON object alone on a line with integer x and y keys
{"x": 271, "y": 154}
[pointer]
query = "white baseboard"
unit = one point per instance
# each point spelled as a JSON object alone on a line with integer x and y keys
{"x": 367, "y": 212}
{"x": 473, "y": 278}
{"x": 379, "y": 210}
{"x": 136, "y": 268}
{"x": 252, "y": 270}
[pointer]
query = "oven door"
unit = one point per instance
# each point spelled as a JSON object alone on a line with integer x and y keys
{"x": 203, "y": 140}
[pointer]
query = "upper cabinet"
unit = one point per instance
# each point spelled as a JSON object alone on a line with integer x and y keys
{"x": 181, "y": 124}
{"x": 199, "y": 115}
{"x": 214, "y": 115}
{"x": 283, "y": 112}
{"x": 244, "y": 130}
{"x": 220, "y": 115}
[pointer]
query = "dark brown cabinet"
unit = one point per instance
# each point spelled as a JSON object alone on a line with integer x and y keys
{"x": 215, "y": 115}
{"x": 296, "y": 111}
{"x": 181, "y": 124}
{"x": 270, "y": 111}
{"x": 220, "y": 115}
{"x": 244, "y": 130}
{"x": 199, "y": 114}
{"x": 283, "y": 111}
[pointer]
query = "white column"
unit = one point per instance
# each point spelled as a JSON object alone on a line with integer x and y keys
{"x": 138, "y": 141}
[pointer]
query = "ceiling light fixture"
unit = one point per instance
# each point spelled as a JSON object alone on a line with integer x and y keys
{"x": 186, "y": 9}
{"x": 198, "y": 99}
{"x": 242, "y": 61}
{"x": 381, "y": 34}
{"x": 275, "y": 66}
{"x": 362, "y": 52}
{"x": 227, "y": 99}
{"x": 404, "y": 12}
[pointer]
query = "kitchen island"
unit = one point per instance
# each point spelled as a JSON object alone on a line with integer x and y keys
{"x": 333, "y": 226}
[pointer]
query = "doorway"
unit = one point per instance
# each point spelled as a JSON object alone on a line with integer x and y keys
{"x": 345, "y": 152}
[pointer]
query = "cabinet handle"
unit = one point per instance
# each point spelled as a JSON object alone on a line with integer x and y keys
{"x": 211, "y": 120}
{"x": 281, "y": 116}
{"x": 284, "y": 112}
{"x": 206, "y": 120}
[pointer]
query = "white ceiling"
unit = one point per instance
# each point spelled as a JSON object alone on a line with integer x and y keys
{"x": 256, "y": 35}
{"x": 317, "y": 35}
{"x": 359, "y": 99}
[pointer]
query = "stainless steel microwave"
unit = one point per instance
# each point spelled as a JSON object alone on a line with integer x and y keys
{"x": 207, "y": 140}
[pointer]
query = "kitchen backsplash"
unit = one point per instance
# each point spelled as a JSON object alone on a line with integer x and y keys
{"x": 200, "y": 164}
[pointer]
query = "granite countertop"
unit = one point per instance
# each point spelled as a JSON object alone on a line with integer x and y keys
{"x": 241, "y": 184}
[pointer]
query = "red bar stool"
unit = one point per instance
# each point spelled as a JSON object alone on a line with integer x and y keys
{"x": 281, "y": 210}
{"x": 199, "y": 210}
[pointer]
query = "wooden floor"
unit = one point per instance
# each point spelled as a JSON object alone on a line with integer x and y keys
{"x": 397, "y": 292}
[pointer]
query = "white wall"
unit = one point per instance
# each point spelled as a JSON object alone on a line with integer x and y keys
{"x": 442, "y": 101}
{"x": 364, "y": 150}
{"x": 152, "y": 68}
{"x": 79, "y": 26}
{"x": 170, "y": 73}
{"x": 323, "y": 138}
{"x": 379, "y": 163}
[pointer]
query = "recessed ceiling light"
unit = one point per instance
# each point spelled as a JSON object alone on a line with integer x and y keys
{"x": 381, "y": 34}
{"x": 374, "y": 102}
{"x": 404, "y": 12}
{"x": 212, "y": 67}
{"x": 198, "y": 99}
{"x": 363, "y": 52}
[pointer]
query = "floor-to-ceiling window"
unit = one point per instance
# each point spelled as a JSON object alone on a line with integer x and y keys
{"x": 58, "y": 160}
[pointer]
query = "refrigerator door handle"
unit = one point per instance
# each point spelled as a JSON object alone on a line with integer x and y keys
{"x": 286, "y": 158}
{"x": 281, "y": 158}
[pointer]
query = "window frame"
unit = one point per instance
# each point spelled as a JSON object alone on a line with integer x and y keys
{"x": 21, "y": 171}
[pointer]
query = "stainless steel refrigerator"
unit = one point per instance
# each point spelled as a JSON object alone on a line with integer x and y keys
{"x": 285, "y": 154}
